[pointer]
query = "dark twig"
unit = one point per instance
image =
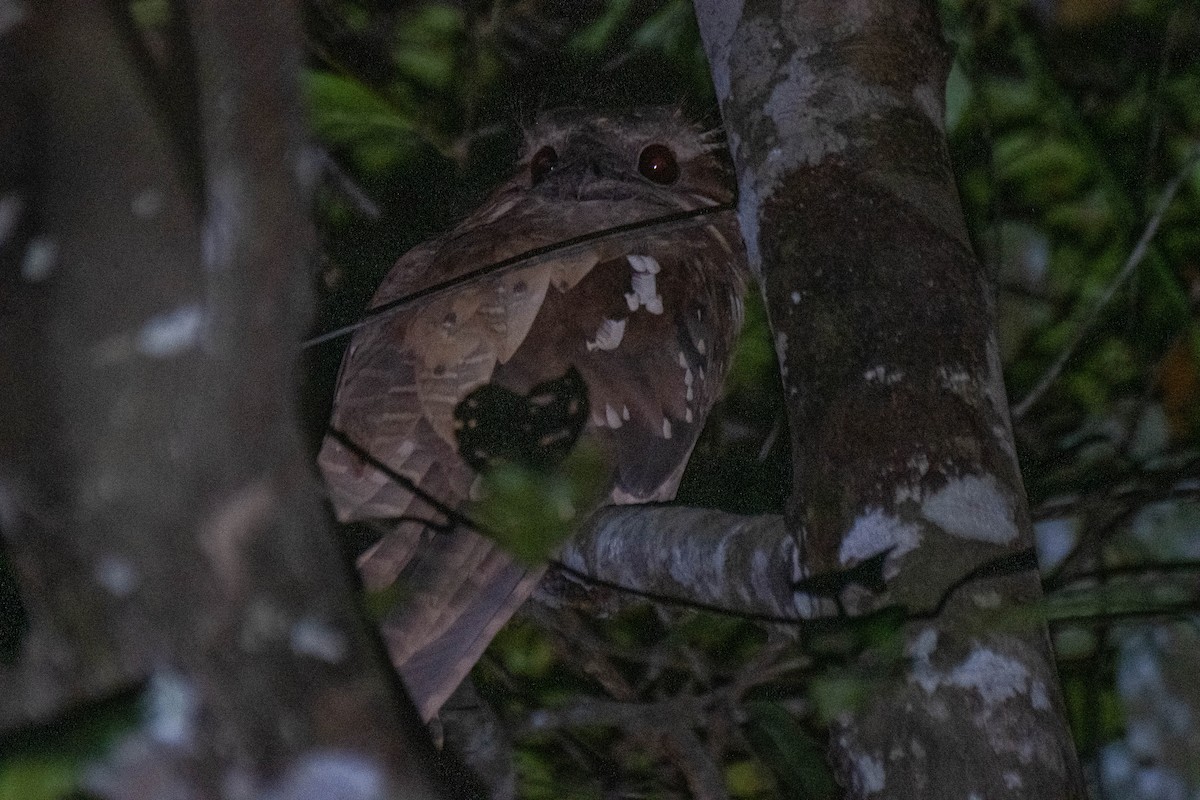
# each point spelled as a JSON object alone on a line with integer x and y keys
{"x": 1140, "y": 570}
{"x": 346, "y": 184}
{"x": 1131, "y": 495}
{"x": 538, "y": 255}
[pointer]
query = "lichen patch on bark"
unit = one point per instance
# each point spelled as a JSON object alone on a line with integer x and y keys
{"x": 973, "y": 507}
{"x": 875, "y": 531}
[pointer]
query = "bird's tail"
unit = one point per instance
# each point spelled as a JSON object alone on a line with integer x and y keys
{"x": 459, "y": 589}
{"x": 456, "y": 587}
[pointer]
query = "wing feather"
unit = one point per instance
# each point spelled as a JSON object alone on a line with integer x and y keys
{"x": 635, "y": 317}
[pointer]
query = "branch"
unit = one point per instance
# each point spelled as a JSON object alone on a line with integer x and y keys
{"x": 704, "y": 558}
{"x": 345, "y": 184}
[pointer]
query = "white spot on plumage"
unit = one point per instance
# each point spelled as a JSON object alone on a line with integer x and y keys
{"x": 407, "y": 448}
{"x": 624, "y": 412}
{"x": 666, "y": 428}
{"x": 645, "y": 288}
{"x": 611, "y": 416}
{"x": 644, "y": 264}
{"x": 683, "y": 364}
{"x": 687, "y": 377}
{"x": 690, "y": 393}
{"x": 644, "y": 284}
{"x": 608, "y": 335}
{"x": 701, "y": 346}
{"x": 687, "y": 415}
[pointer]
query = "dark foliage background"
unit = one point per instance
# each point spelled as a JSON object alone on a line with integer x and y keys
{"x": 1074, "y": 127}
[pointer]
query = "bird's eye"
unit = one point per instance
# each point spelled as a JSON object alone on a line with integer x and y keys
{"x": 542, "y": 164}
{"x": 657, "y": 163}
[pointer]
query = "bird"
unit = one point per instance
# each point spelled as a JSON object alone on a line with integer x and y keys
{"x": 641, "y": 324}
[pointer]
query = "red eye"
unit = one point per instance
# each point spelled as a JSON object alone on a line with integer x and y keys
{"x": 658, "y": 163}
{"x": 542, "y": 164}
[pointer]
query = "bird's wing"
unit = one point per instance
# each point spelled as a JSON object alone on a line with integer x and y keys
{"x": 647, "y": 326}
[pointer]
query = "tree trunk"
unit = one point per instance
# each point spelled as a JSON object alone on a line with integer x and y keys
{"x": 159, "y": 508}
{"x": 902, "y": 448}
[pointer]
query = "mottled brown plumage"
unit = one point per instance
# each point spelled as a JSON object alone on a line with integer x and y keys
{"x": 648, "y": 320}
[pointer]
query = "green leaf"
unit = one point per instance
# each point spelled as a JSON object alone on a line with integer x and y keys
{"x": 754, "y": 362}
{"x": 671, "y": 30}
{"x": 149, "y": 15}
{"x": 795, "y": 758}
{"x": 834, "y": 694}
{"x": 428, "y": 45}
{"x": 1012, "y": 100}
{"x": 347, "y": 113}
{"x": 747, "y": 778}
{"x": 1089, "y": 217}
{"x": 595, "y": 37}
{"x": 1041, "y": 170}
{"x": 530, "y": 512}
{"x": 44, "y": 763}
{"x": 524, "y": 651}
{"x": 959, "y": 96}
{"x": 37, "y": 778}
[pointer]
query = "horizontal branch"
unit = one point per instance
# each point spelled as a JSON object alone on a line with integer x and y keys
{"x": 700, "y": 557}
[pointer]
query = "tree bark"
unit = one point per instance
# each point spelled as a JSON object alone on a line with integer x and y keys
{"x": 902, "y": 448}
{"x": 159, "y": 508}
{"x": 696, "y": 557}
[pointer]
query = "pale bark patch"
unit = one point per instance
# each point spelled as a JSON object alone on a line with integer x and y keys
{"x": 869, "y": 774}
{"x": 875, "y": 531}
{"x": 333, "y": 774}
{"x": 880, "y": 373}
{"x": 172, "y": 332}
{"x": 973, "y": 507}
{"x": 928, "y": 98}
{"x": 172, "y": 709}
{"x": 993, "y": 676}
{"x": 318, "y": 639}
{"x": 41, "y": 257}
